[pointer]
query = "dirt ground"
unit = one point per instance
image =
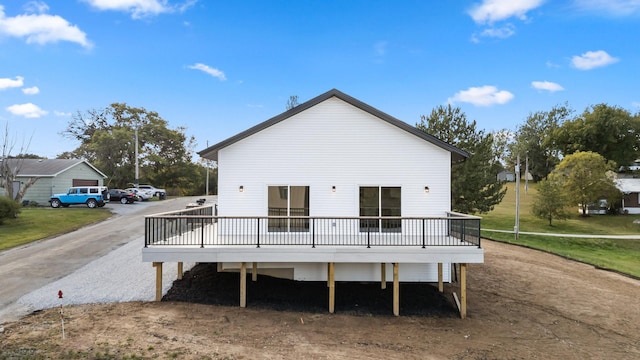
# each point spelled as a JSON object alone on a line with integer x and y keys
{"x": 522, "y": 304}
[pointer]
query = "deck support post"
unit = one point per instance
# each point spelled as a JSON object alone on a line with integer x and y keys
{"x": 243, "y": 284}
{"x": 254, "y": 272}
{"x": 440, "y": 284}
{"x": 158, "y": 266}
{"x": 332, "y": 288}
{"x": 180, "y": 267}
{"x": 396, "y": 290}
{"x": 383, "y": 276}
{"x": 463, "y": 290}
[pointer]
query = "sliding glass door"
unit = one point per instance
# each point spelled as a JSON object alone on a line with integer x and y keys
{"x": 289, "y": 201}
{"x": 380, "y": 201}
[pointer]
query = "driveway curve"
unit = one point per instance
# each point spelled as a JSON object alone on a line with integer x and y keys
{"x": 27, "y": 268}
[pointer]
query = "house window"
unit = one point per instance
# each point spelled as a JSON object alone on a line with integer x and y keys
{"x": 380, "y": 201}
{"x": 292, "y": 202}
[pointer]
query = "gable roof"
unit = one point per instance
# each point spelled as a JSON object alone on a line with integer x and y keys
{"x": 212, "y": 151}
{"x": 628, "y": 186}
{"x": 46, "y": 167}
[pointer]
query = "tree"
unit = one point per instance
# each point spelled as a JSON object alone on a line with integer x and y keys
{"x": 584, "y": 178}
{"x": 502, "y": 139}
{"x": 474, "y": 186}
{"x": 550, "y": 202}
{"x": 107, "y": 140}
{"x": 10, "y": 167}
{"x": 292, "y": 102}
{"x": 534, "y": 140}
{"x": 607, "y": 130}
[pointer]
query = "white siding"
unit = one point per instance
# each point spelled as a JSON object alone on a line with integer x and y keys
{"x": 350, "y": 272}
{"x": 333, "y": 144}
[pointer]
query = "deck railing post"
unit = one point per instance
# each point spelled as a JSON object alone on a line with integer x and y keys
{"x": 146, "y": 231}
{"x": 202, "y": 233}
{"x": 462, "y": 235}
{"x": 479, "y": 237}
{"x": 424, "y": 233}
{"x": 368, "y": 237}
{"x": 258, "y": 241}
{"x": 313, "y": 233}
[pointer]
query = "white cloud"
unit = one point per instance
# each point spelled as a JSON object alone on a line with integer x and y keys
{"x": 209, "y": 70}
{"x": 61, "y": 113}
{"x": 490, "y": 11}
{"x": 6, "y": 83}
{"x": 27, "y": 110}
{"x": 482, "y": 96}
{"x": 140, "y": 8}
{"x": 36, "y": 7}
{"x": 31, "y": 90}
{"x": 593, "y": 59}
{"x": 546, "y": 85}
{"x": 611, "y": 7}
{"x": 552, "y": 65}
{"x": 41, "y": 28}
{"x": 501, "y": 32}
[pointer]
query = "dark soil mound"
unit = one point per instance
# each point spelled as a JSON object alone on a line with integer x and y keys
{"x": 205, "y": 285}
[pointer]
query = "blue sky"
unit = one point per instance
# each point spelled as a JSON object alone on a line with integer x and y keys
{"x": 218, "y": 68}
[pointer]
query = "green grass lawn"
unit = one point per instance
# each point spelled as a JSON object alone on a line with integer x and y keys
{"x": 621, "y": 255}
{"x": 39, "y": 223}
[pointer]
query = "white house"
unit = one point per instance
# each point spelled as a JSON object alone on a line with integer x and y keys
{"x": 331, "y": 190}
{"x": 630, "y": 188}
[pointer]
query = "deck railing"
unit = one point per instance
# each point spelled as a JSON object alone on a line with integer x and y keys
{"x": 199, "y": 226}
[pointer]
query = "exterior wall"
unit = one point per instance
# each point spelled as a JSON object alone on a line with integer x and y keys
{"x": 349, "y": 272}
{"x": 632, "y": 203}
{"x": 42, "y": 190}
{"x": 333, "y": 144}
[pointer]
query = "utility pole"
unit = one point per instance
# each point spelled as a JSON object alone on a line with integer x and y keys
{"x": 207, "y": 164}
{"x": 516, "y": 228}
{"x": 526, "y": 174}
{"x": 137, "y": 182}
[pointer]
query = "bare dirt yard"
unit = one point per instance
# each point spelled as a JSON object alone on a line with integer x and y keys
{"x": 523, "y": 304}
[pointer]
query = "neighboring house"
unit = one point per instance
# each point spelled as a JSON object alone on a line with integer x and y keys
{"x": 331, "y": 190}
{"x": 633, "y": 167}
{"x": 54, "y": 176}
{"x": 598, "y": 208}
{"x": 630, "y": 189}
{"x": 505, "y": 175}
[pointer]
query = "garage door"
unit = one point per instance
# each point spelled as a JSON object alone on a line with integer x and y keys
{"x": 80, "y": 182}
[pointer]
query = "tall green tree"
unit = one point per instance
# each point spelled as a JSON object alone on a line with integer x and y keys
{"x": 107, "y": 140}
{"x": 585, "y": 178}
{"x": 550, "y": 201}
{"x": 610, "y": 131}
{"x": 534, "y": 140}
{"x": 474, "y": 185}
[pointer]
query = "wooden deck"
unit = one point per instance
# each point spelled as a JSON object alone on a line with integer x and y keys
{"x": 319, "y": 249}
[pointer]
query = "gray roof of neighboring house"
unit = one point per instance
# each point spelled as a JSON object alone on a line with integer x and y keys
{"x": 628, "y": 185}
{"x": 212, "y": 151}
{"x": 46, "y": 167}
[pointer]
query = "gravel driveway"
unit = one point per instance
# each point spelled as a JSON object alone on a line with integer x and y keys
{"x": 99, "y": 263}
